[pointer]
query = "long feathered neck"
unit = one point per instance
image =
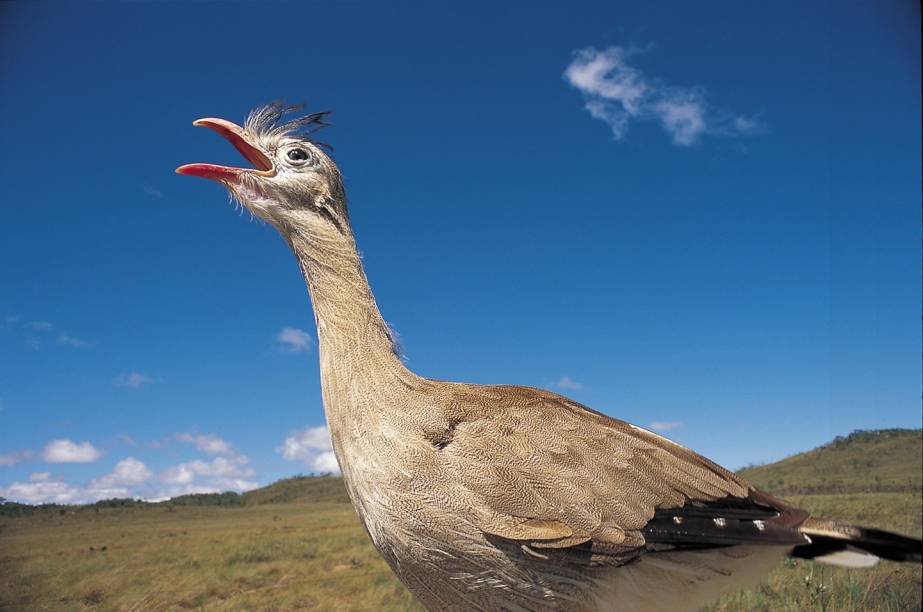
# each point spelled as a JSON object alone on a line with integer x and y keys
{"x": 353, "y": 339}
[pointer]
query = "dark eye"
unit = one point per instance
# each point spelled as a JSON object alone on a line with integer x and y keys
{"x": 297, "y": 155}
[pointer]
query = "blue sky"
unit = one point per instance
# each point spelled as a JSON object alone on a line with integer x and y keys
{"x": 702, "y": 220}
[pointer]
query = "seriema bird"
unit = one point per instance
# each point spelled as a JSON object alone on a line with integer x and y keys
{"x": 502, "y": 497}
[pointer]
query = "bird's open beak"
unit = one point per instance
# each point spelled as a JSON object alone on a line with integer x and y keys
{"x": 236, "y": 136}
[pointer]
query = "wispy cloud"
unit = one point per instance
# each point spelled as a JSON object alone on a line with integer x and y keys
{"x": 566, "y": 383}
{"x": 35, "y": 331}
{"x": 618, "y": 93}
{"x": 664, "y": 425}
{"x": 208, "y": 443}
{"x": 68, "y": 451}
{"x": 124, "y": 438}
{"x": 152, "y": 191}
{"x": 294, "y": 340}
{"x": 8, "y": 459}
{"x": 67, "y": 340}
{"x": 133, "y": 380}
{"x": 185, "y": 473}
{"x": 311, "y": 445}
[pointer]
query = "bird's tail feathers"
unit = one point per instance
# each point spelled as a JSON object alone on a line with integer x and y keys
{"x": 837, "y": 543}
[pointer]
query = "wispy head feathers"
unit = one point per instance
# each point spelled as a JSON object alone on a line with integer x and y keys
{"x": 269, "y": 122}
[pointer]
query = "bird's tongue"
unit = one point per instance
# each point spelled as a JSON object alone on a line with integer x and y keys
{"x": 234, "y": 134}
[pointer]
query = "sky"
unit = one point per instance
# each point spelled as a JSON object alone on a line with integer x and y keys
{"x": 701, "y": 219}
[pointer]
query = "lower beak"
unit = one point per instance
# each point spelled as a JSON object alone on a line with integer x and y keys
{"x": 236, "y": 136}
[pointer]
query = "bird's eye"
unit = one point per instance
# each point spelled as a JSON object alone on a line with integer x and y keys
{"x": 299, "y": 156}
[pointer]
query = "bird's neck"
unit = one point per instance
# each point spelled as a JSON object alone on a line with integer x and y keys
{"x": 353, "y": 339}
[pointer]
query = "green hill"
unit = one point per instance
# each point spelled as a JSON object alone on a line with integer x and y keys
{"x": 880, "y": 461}
{"x": 299, "y": 488}
{"x": 307, "y": 489}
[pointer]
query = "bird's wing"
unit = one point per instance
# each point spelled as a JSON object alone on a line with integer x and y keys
{"x": 536, "y": 467}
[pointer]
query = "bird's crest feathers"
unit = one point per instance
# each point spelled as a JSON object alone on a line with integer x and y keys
{"x": 269, "y": 121}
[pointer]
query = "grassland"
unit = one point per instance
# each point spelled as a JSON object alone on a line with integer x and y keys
{"x": 297, "y": 544}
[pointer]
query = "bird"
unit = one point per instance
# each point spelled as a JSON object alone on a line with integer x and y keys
{"x": 505, "y": 497}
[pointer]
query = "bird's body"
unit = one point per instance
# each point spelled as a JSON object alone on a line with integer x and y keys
{"x": 496, "y": 497}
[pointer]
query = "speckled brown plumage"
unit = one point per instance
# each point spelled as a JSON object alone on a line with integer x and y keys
{"x": 497, "y": 497}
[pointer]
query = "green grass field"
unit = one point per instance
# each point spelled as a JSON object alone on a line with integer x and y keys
{"x": 297, "y": 544}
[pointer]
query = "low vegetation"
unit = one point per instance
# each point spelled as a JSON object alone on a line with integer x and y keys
{"x": 297, "y": 544}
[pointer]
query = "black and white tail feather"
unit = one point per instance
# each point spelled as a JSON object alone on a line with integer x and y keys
{"x": 837, "y": 543}
{"x": 761, "y": 519}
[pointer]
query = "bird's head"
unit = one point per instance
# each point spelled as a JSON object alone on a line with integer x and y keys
{"x": 294, "y": 184}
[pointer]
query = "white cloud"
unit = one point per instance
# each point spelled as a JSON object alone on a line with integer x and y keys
{"x": 132, "y": 478}
{"x": 66, "y": 340}
{"x": 225, "y": 473}
{"x": 326, "y": 462}
{"x": 127, "y": 472}
{"x": 67, "y": 451}
{"x": 133, "y": 380}
{"x": 42, "y": 492}
{"x": 41, "y": 325}
{"x": 304, "y": 443}
{"x": 664, "y": 425}
{"x": 617, "y": 94}
{"x": 311, "y": 445}
{"x": 567, "y": 383}
{"x": 208, "y": 443}
{"x": 178, "y": 474}
{"x": 220, "y": 466}
{"x": 43, "y": 488}
{"x": 682, "y": 116}
{"x": 294, "y": 340}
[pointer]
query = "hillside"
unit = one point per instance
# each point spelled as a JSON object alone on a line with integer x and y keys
{"x": 299, "y": 488}
{"x": 880, "y": 461}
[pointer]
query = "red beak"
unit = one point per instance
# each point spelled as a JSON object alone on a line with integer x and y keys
{"x": 235, "y": 135}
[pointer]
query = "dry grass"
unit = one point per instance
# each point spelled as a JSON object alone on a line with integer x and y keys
{"x": 272, "y": 557}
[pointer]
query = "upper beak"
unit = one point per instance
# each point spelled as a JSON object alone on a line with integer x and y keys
{"x": 235, "y": 134}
